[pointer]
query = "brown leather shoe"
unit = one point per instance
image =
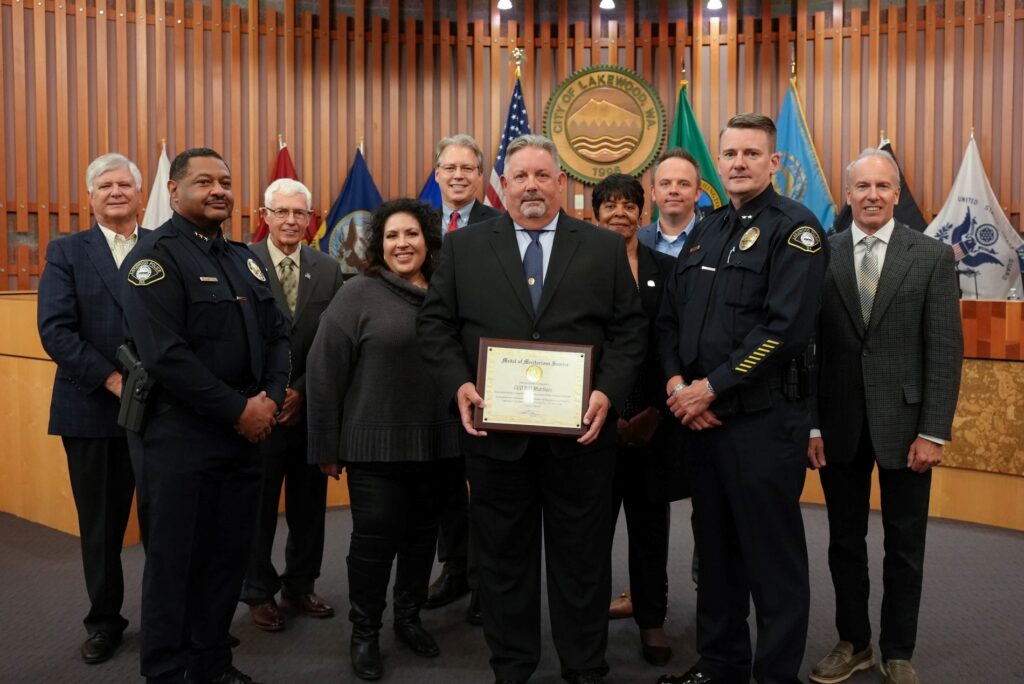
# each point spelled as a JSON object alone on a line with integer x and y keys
{"x": 99, "y": 647}
{"x": 898, "y": 672}
{"x": 841, "y": 664}
{"x": 310, "y": 604}
{"x": 267, "y": 616}
{"x": 621, "y": 607}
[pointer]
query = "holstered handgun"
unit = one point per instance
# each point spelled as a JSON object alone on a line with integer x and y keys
{"x": 135, "y": 390}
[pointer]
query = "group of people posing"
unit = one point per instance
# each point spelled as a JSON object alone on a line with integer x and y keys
{"x": 730, "y": 351}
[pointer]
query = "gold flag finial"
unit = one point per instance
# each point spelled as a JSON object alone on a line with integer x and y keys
{"x": 792, "y": 69}
{"x": 518, "y": 56}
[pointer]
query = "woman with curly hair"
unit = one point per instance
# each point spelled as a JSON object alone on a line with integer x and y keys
{"x": 374, "y": 411}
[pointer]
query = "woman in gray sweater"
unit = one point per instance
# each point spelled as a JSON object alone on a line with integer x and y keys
{"x": 374, "y": 410}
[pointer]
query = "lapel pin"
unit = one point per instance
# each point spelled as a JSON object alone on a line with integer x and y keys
{"x": 307, "y": 275}
{"x": 650, "y": 283}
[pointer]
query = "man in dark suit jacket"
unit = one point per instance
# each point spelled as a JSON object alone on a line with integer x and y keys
{"x": 81, "y": 326}
{"x": 303, "y": 287}
{"x": 537, "y": 274}
{"x": 891, "y": 349}
{"x": 458, "y": 169}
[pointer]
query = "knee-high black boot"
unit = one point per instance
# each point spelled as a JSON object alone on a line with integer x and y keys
{"x": 410, "y": 592}
{"x": 367, "y": 591}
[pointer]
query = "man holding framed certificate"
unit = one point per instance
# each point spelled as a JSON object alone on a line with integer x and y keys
{"x": 539, "y": 313}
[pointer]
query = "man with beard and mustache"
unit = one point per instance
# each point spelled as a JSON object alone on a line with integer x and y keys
{"x": 207, "y": 329}
{"x": 538, "y": 275}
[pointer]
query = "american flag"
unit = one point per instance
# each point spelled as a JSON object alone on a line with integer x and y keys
{"x": 515, "y": 125}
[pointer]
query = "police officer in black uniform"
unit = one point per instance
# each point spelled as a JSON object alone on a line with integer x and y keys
{"x": 736, "y": 321}
{"x": 206, "y": 327}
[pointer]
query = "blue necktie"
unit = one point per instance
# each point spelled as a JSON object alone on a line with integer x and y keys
{"x": 533, "y": 264}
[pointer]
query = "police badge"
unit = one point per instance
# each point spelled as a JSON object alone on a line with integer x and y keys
{"x": 749, "y": 238}
{"x": 256, "y": 270}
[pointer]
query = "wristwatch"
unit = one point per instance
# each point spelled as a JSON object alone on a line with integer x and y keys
{"x": 711, "y": 390}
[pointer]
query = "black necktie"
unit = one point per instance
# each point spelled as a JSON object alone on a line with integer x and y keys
{"x": 533, "y": 264}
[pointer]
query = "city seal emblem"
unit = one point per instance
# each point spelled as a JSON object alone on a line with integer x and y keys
{"x": 605, "y": 120}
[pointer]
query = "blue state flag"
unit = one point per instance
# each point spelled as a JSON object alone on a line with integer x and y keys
{"x": 343, "y": 233}
{"x": 431, "y": 192}
{"x": 800, "y": 176}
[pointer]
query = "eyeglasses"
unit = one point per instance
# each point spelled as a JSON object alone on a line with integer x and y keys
{"x": 301, "y": 215}
{"x": 466, "y": 169}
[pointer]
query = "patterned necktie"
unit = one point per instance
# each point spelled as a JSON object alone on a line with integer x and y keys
{"x": 533, "y": 264}
{"x": 453, "y": 222}
{"x": 123, "y": 245}
{"x": 867, "y": 281}
{"x": 287, "y": 273}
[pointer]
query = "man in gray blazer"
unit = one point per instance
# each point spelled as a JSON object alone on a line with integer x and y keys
{"x": 304, "y": 281}
{"x": 891, "y": 349}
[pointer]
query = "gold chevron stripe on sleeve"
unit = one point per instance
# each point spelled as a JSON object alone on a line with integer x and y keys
{"x": 756, "y": 356}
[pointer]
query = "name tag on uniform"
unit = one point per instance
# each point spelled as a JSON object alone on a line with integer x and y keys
{"x": 208, "y": 279}
{"x": 707, "y": 268}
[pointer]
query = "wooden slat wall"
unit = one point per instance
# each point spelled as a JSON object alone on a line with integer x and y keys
{"x": 195, "y": 72}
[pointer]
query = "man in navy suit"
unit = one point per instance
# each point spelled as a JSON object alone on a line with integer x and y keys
{"x": 675, "y": 192}
{"x": 81, "y": 327}
{"x": 303, "y": 281}
{"x": 458, "y": 169}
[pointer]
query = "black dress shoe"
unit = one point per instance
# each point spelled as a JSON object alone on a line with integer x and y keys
{"x": 418, "y": 639}
{"x": 448, "y": 587}
{"x": 656, "y": 655}
{"x": 365, "y": 654}
{"x": 99, "y": 647}
{"x": 473, "y": 612}
{"x": 232, "y": 676}
{"x": 693, "y": 676}
{"x": 586, "y": 679}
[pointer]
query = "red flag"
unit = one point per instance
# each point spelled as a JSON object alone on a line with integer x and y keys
{"x": 283, "y": 168}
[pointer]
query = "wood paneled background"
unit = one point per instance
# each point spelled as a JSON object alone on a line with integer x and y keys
{"x": 80, "y": 79}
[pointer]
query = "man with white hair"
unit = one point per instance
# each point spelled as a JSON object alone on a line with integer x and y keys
{"x": 304, "y": 281}
{"x": 80, "y": 325}
{"x": 891, "y": 350}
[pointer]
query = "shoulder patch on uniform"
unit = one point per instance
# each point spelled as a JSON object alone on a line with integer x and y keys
{"x": 256, "y": 270}
{"x": 805, "y": 239}
{"x": 145, "y": 272}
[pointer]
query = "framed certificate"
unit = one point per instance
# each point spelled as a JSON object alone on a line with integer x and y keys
{"x": 534, "y": 387}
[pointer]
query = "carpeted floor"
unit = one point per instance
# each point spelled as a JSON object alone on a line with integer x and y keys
{"x": 972, "y": 619}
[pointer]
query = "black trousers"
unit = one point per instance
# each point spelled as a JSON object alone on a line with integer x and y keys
{"x": 394, "y": 514}
{"x": 746, "y": 477}
{"x": 568, "y": 500}
{"x": 201, "y": 484}
{"x": 284, "y": 463}
{"x": 647, "y": 523}
{"x": 905, "y": 496}
{"x": 102, "y": 485}
{"x": 453, "y": 523}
